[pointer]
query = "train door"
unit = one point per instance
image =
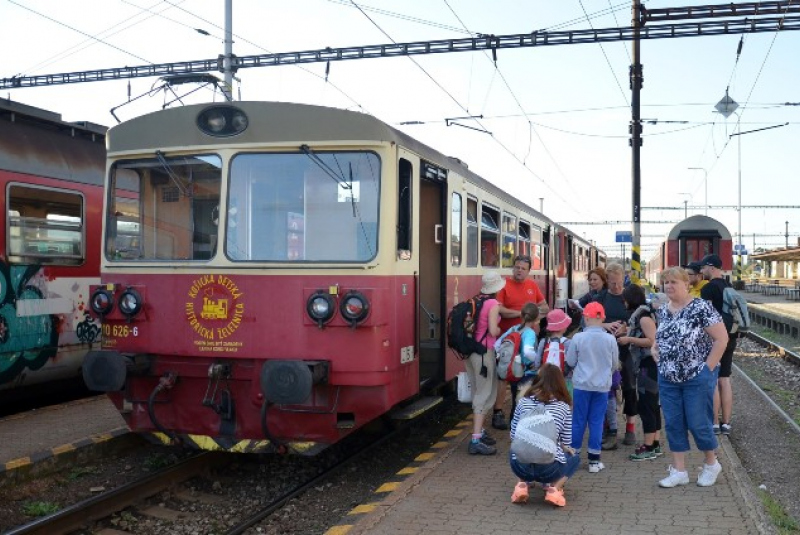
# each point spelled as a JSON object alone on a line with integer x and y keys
{"x": 547, "y": 266}
{"x": 431, "y": 284}
{"x": 571, "y": 260}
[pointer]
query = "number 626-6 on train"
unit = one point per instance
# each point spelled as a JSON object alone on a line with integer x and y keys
{"x": 276, "y": 275}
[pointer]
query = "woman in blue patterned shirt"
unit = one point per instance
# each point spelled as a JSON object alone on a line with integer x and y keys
{"x": 689, "y": 343}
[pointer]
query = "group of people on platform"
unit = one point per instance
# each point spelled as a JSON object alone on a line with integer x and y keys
{"x": 672, "y": 355}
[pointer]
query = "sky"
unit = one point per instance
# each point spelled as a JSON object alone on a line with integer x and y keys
{"x": 554, "y": 120}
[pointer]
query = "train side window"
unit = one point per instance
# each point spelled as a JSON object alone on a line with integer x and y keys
{"x": 509, "y": 240}
{"x": 525, "y": 239}
{"x": 455, "y": 231}
{"x": 536, "y": 248}
{"x": 472, "y": 232}
{"x": 46, "y": 225}
{"x": 490, "y": 237}
{"x": 404, "y": 207}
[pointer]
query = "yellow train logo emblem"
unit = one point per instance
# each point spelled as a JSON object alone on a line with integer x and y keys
{"x": 214, "y": 310}
{"x": 215, "y": 307}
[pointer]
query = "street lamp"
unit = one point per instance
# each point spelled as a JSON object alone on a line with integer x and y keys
{"x": 739, "y": 143}
{"x": 705, "y": 181}
{"x": 726, "y": 107}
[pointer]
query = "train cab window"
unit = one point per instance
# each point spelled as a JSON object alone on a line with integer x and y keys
{"x": 404, "y": 207}
{"x": 472, "y": 232}
{"x": 310, "y": 206}
{"x": 490, "y": 237}
{"x": 509, "y": 240}
{"x": 524, "y": 239}
{"x": 45, "y": 225}
{"x": 455, "y": 230}
{"x": 536, "y": 248}
{"x": 164, "y": 208}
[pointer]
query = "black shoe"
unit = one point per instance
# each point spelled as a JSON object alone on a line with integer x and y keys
{"x": 479, "y": 448}
{"x": 499, "y": 421}
{"x": 488, "y": 439}
{"x": 630, "y": 438}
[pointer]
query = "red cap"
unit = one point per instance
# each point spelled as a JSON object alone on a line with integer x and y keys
{"x": 594, "y": 310}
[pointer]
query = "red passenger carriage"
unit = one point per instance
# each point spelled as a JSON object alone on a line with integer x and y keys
{"x": 689, "y": 241}
{"x": 51, "y": 187}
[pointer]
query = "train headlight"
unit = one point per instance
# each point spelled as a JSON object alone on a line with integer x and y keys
{"x": 321, "y": 307}
{"x": 130, "y": 302}
{"x": 354, "y": 307}
{"x": 101, "y": 301}
{"x": 222, "y": 121}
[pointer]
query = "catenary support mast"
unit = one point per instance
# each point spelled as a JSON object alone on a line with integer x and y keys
{"x": 637, "y": 78}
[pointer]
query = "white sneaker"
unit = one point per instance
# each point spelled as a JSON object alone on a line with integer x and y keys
{"x": 595, "y": 466}
{"x": 674, "y": 479}
{"x": 708, "y": 475}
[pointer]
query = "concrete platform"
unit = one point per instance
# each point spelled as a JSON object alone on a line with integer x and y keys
{"x": 457, "y": 493}
{"x": 34, "y": 436}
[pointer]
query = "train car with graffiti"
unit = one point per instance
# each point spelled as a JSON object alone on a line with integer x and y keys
{"x": 51, "y": 184}
{"x": 288, "y": 272}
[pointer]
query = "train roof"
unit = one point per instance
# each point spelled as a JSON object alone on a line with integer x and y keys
{"x": 286, "y": 121}
{"x": 699, "y": 225}
{"x": 37, "y": 142}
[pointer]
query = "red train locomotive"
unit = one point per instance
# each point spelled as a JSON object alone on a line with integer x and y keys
{"x": 275, "y": 275}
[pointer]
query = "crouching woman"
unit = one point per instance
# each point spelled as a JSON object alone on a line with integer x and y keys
{"x": 548, "y": 391}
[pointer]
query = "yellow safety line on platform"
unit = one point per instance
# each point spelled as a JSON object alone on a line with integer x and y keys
{"x": 388, "y": 487}
{"x": 364, "y": 508}
{"x": 339, "y": 530}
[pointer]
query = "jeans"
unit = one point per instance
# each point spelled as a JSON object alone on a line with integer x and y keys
{"x": 589, "y": 408}
{"x": 544, "y": 473}
{"x": 689, "y": 406}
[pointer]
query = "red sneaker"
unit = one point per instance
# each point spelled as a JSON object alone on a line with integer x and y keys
{"x": 555, "y": 496}
{"x": 520, "y": 494}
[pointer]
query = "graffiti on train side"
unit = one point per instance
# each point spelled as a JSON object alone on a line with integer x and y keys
{"x": 36, "y": 317}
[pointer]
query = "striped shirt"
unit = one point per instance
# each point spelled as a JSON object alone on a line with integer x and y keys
{"x": 560, "y": 412}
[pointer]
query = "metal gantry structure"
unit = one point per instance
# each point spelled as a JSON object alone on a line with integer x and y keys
{"x": 699, "y": 21}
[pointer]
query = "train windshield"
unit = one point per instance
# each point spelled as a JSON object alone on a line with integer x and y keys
{"x": 164, "y": 208}
{"x": 303, "y": 207}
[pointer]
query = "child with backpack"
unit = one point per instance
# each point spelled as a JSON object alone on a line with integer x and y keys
{"x": 553, "y": 348}
{"x": 594, "y": 355}
{"x": 521, "y": 341}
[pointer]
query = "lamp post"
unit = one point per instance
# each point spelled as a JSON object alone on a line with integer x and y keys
{"x": 740, "y": 134}
{"x": 705, "y": 181}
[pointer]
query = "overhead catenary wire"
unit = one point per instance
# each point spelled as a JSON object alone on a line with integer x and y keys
{"x": 462, "y": 107}
{"x": 263, "y": 49}
{"x": 531, "y": 128}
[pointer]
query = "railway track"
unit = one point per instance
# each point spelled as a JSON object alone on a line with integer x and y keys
{"x": 790, "y": 356}
{"x": 224, "y": 493}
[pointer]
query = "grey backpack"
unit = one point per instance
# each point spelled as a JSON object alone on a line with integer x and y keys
{"x": 535, "y": 437}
